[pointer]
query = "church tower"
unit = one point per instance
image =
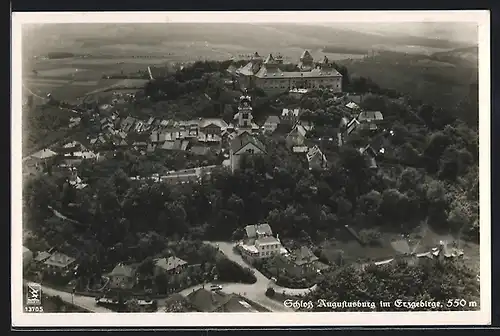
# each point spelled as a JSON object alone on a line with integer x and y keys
{"x": 243, "y": 118}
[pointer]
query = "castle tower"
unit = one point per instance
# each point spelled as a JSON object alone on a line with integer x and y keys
{"x": 244, "y": 116}
{"x": 306, "y": 61}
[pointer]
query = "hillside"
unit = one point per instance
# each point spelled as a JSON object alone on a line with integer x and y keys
{"x": 445, "y": 79}
{"x": 228, "y": 36}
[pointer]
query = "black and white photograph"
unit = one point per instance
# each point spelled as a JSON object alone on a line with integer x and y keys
{"x": 296, "y": 168}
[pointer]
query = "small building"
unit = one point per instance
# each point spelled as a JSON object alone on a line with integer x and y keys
{"x": 203, "y": 300}
{"x": 316, "y": 158}
{"x": 122, "y": 277}
{"x": 297, "y": 136}
{"x": 127, "y": 124}
{"x": 41, "y": 257}
{"x": 290, "y": 116}
{"x": 370, "y": 119}
{"x": 170, "y": 265}
{"x": 210, "y": 130}
{"x": 59, "y": 262}
{"x": 271, "y": 124}
{"x": 353, "y": 106}
{"x": 74, "y": 121}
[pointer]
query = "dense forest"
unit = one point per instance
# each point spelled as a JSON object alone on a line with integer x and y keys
{"x": 429, "y": 174}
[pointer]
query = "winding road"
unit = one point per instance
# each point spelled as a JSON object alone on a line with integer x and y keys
{"x": 255, "y": 292}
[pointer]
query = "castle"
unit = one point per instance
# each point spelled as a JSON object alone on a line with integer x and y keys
{"x": 269, "y": 75}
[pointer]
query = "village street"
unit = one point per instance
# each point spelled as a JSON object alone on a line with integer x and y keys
{"x": 85, "y": 302}
{"x": 262, "y": 282}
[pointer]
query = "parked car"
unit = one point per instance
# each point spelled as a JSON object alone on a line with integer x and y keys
{"x": 215, "y": 288}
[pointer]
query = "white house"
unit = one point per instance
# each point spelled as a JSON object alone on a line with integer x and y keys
{"x": 271, "y": 124}
{"x": 259, "y": 243}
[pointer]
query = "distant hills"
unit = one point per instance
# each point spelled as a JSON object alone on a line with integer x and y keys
{"x": 262, "y": 37}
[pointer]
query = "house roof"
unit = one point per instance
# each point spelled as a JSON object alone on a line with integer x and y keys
{"x": 44, "y": 154}
{"x": 289, "y": 112}
{"x": 272, "y": 119}
{"x": 314, "y": 152}
{"x": 266, "y": 240}
{"x": 264, "y": 229}
{"x": 213, "y": 121}
{"x": 170, "y": 264}
{"x": 200, "y": 150}
{"x": 42, "y": 256}
{"x": 123, "y": 270}
{"x": 370, "y": 116}
{"x": 207, "y": 301}
{"x": 171, "y": 145}
{"x": 304, "y": 256}
{"x": 59, "y": 260}
{"x": 352, "y": 105}
{"x": 300, "y": 149}
{"x": 243, "y": 139}
{"x": 298, "y": 129}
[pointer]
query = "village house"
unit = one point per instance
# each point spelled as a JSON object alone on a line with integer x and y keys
{"x": 303, "y": 262}
{"x": 59, "y": 263}
{"x": 210, "y": 130}
{"x": 170, "y": 265}
{"x": 177, "y": 145}
{"x": 316, "y": 158}
{"x": 203, "y": 300}
{"x": 74, "y": 121}
{"x": 244, "y": 144}
{"x": 290, "y": 116}
{"x": 106, "y": 123}
{"x": 271, "y": 124}
{"x": 259, "y": 243}
{"x": 127, "y": 124}
{"x": 370, "y": 120}
{"x": 38, "y": 161}
{"x": 353, "y": 107}
{"x": 122, "y": 277}
{"x": 41, "y": 257}
{"x": 297, "y": 136}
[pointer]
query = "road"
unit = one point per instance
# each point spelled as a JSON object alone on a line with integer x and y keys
{"x": 262, "y": 280}
{"x": 85, "y": 302}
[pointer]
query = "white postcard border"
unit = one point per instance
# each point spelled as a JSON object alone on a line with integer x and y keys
{"x": 482, "y": 317}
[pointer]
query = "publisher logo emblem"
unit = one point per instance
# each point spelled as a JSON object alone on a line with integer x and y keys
{"x": 34, "y": 294}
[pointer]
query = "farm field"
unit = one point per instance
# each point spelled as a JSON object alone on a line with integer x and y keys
{"x": 69, "y": 79}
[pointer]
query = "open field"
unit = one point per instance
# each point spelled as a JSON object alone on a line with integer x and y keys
{"x": 422, "y": 240}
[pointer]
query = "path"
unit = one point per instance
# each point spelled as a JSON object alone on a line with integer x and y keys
{"x": 45, "y": 100}
{"x": 85, "y": 302}
{"x": 262, "y": 280}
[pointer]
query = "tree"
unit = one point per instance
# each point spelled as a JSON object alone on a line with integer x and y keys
{"x": 270, "y": 292}
{"x": 146, "y": 266}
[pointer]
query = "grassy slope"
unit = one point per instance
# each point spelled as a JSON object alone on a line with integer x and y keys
{"x": 442, "y": 79}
